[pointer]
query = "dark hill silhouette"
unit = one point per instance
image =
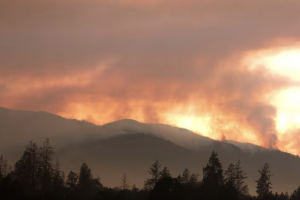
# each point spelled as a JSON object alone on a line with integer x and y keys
{"x": 127, "y": 146}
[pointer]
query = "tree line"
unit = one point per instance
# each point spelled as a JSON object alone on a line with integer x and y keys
{"x": 37, "y": 175}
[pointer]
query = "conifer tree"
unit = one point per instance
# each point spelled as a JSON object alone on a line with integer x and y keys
{"x": 263, "y": 187}
{"x": 235, "y": 177}
{"x": 185, "y": 177}
{"x": 3, "y": 166}
{"x": 230, "y": 176}
{"x": 296, "y": 194}
{"x": 165, "y": 173}
{"x": 97, "y": 183}
{"x": 87, "y": 186}
{"x": 155, "y": 173}
{"x": 85, "y": 177}
{"x": 193, "y": 178}
{"x": 213, "y": 180}
{"x": 241, "y": 185}
{"x": 27, "y": 168}
{"x": 213, "y": 172}
{"x": 285, "y": 196}
{"x": 58, "y": 176}
{"x": 46, "y": 164}
{"x": 72, "y": 181}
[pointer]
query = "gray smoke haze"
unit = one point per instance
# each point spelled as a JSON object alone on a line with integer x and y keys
{"x": 108, "y": 60}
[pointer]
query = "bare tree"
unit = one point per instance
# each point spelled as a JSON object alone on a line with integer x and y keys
{"x": 124, "y": 184}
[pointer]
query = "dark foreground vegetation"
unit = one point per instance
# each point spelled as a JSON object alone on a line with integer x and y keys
{"x": 37, "y": 175}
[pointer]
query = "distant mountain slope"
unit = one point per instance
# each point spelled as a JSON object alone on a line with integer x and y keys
{"x": 134, "y": 153}
{"x": 127, "y": 146}
{"x": 18, "y": 127}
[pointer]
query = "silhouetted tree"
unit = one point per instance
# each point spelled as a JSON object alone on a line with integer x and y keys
{"x": 85, "y": 176}
{"x": 86, "y": 185}
{"x": 213, "y": 180}
{"x": 27, "y": 168}
{"x": 296, "y": 194}
{"x": 165, "y": 173}
{"x": 155, "y": 173}
{"x": 58, "y": 177}
{"x": 185, "y": 177}
{"x": 285, "y": 196}
{"x": 235, "y": 177}
{"x": 241, "y": 185}
{"x": 193, "y": 178}
{"x": 165, "y": 189}
{"x": 97, "y": 183}
{"x": 3, "y": 166}
{"x": 97, "y": 187}
{"x": 35, "y": 177}
{"x": 124, "y": 184}
{"x": 46, "y": 166}
{"x": 263, "y": 187}
{"x": 213, "y": 172}
{"x": 72, "y": 181}
{"x": 230, "y": 175}
{"x": 134, "y": 188}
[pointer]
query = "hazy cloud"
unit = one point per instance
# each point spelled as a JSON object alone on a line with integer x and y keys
{"x": 107, "y": 60}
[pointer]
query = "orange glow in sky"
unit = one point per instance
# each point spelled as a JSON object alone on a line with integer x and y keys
{"x": 284, "y": 62}
{"x": 281, "y": 62}
{"x": 287, "y": 64}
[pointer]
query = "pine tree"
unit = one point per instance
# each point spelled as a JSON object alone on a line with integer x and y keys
{"x": 3, "y": 167}
{"x": 87, "y": 186}
{"x": 72, "y": 181}
{"x": 287, "y": 196}
{"x": 241, "y": 185}
{"x": 165, "y": 173}
{"x": 213, "y": 180}
{"x": 97, "y": 183}
{"x": 284, "y": 196}
{"x": 124, "y": 184}
{"x": 213, "y": 172}
{"x": 85, "y": 177}
{"x": 263, "y": 187}
{"x": 46, "y": 167}
{"x": 58, "y": 177}
{"x": 27, "y": 168}
{"x": 155, "y": 172}
{"x": 235, "y": 178}
{"x": 230, "y": 176}
{"x": 276, "y": 196}
{"x": 296, "y": 194}
{"x": 185, "y": 177}
{"x": 193, "y": 178}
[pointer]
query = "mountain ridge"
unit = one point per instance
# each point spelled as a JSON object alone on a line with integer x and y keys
{"x": 128, "y": 146}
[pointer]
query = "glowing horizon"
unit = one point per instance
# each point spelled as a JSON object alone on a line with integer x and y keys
{"x": 206, "y": 66}
{"x": 285, "y": 101}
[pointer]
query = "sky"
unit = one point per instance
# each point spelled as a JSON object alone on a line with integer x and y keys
{"x": 229, "y": 70}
